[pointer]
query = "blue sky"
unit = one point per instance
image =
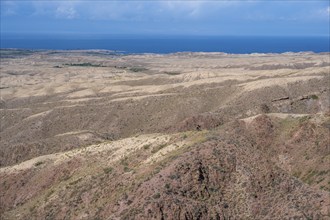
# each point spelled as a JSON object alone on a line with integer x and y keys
{"x": 160, "y": 17}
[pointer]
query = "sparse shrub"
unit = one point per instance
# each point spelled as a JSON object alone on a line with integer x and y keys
{"x": 146, "y": 146}
{"x": 184, "y": 136}
{"x": 157, "y": 169}
{"x": 32, "y": 208}
{"x": 126, "y": 169}
{"x": 172, "y": 73}
{"x": 124, "y": 161}
{"x": 297, "y": 174}
{"x": 84, "y": 64}
{"x": 156, "y": 149}
{"x": 310, "y": 177}
{"x": 107, "y": 170}
{"x": 137, "y": 69}
{"x": 65, "y": 177}
{"x": 174, "y": 177}
{"x": 304, "y": 119}
{"x": 156, "y": 196}
{"x": 38, "y": 163}
{"x": 314, "y": 97}
{"x": 264, "y": 108}
{"x": 212, "y": 189}
{"x": 323, "y": 172}
{"x": 49, "y": 194}
{"x": 75, "y": 182}
{"x": 319, "y": 180}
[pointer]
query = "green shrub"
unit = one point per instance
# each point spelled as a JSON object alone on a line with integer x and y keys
{"x": 314, "y": 97}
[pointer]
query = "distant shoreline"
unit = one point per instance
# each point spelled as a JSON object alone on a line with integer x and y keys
{"x": 114, "y": 52}
{"x": 231, "y": 45}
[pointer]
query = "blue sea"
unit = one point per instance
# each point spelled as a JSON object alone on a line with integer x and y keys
{"x": 172, "y": 44}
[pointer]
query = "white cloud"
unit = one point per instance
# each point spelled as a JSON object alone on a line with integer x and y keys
{"x": 119, "y": 10}
{"x": 163, "y": 10}
{"x": 323, "y": 14}
{"x": 182, "y": 8}
{"x": 112, "y": 10}
{"x": 195, "y": 9}
{"x": 8, "y": 8}
{"x": 156, "y": 10}
{"x": 67, "y": 12}
{"x": 59, "y": 9}
{"x": 324, "y": 11}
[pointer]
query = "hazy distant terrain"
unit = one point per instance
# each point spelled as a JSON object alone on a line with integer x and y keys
{"x": 100, "y": 135}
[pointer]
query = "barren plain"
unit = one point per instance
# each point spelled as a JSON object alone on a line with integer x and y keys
{"x": 101, "y": 135}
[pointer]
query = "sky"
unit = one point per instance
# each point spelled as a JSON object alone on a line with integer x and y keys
{"x": 165, "y": 17}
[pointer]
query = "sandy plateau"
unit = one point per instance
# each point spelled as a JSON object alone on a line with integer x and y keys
{"x": 100, "y": 135}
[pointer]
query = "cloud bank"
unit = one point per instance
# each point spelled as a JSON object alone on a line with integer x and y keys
{"x": 210, "y": 17}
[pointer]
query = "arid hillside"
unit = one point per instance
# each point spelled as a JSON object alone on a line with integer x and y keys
{"x": 100, "y": 135}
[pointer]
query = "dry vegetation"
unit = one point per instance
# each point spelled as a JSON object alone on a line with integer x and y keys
{"x": 99, "y": 135}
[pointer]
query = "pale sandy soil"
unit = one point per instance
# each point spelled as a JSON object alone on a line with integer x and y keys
{"x": 115, "y": 151}
{"x": 36, "y": 76}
